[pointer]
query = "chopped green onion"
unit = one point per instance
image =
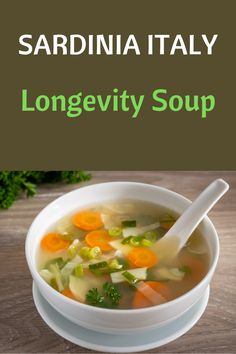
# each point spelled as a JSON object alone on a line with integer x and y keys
{"x": 146, "y": 243}
{"x": 115, "y": 231}
{"x": 79, "y": 271}
{"x": 94, "y": 252}
{"x": 114, "y": 264}
{"x": 84, "y": 252}
{"x": 126, "y": 240}
{"x": 98, "y": 265}
{"x": 130, "y": 278}
{"x": 135, "y": 241}
{"x": 128, "y": 223}
{"x": 90, "y": 253}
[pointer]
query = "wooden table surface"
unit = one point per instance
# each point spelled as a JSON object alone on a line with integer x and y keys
{"x": 23, "y": 331}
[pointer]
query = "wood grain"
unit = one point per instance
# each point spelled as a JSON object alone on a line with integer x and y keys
{"x": 23, "y": 331}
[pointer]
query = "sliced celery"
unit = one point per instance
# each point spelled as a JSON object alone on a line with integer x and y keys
{"x": 73, "y": 248}
{"x": 46, "y": 275}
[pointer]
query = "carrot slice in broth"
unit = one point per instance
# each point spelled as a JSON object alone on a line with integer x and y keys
{"x": 52, "y": 242}
{"x": 142, "y": 257}
{"x": 87, "y": 220}
{"x": 99, "y": 238}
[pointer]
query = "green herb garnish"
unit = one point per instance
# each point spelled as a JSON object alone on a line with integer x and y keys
{"x": 112, "y": 292}
{"x": 108, "y": 299}
{"x": 94, "y": 298}
{"x": 12, "y": 183}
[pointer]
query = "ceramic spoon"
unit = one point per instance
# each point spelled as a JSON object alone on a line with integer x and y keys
{"x": 173, "y": 241}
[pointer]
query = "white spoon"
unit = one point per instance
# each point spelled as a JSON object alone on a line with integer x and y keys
{"x": 173, "y": 241}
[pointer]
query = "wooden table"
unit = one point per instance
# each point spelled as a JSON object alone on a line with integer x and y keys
{"x": 23, "y": 331}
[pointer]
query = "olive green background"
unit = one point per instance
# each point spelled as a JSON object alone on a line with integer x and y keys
{"x": 113, "y": 141}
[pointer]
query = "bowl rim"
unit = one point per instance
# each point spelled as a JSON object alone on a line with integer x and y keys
{"x": 173, "y": 302}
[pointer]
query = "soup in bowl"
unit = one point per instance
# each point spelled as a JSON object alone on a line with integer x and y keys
{"x": 92, "y": 255}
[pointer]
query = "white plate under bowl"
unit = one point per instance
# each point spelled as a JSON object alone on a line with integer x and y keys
{"x": 118, "y": 342}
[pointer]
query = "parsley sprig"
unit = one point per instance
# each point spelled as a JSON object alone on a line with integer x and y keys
{"x": 109, "y": 298}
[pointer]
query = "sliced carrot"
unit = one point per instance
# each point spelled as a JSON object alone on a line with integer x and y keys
{"x": 68, "y": 293}
{"x": 99, "y": 238}
{"x": 52, "y": 242}
{"x": 141, "y": 300}
{"x": 142, "y": 257}
{"x": 87, "y": 220}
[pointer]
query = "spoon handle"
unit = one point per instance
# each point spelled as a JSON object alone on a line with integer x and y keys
{"x": 191, "y": 218}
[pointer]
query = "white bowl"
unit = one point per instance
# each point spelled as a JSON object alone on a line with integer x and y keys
{"x": 107, "y": 320}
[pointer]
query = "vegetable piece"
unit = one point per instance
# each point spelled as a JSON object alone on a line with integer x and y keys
{"x": 128, "y": 223}
{"x": 66, "y": 292}
{"x": 87, "y": 220}
{"x": 94, "y": 252}
{"x": 109, "y": 298}
{"x": 169, "y": 273}
{"x": 52, "y": 242}
{"x": 151, "y": 293}
{"x": 118, "y": 245}
{"x": 94, "y": 298}
{"x": 104, "y": 267}
{"x": 59, "y": 260}
{"x": 80, "y": 286}
{"x": 139, "y": 273}
{"x": 90, "y": 253}
{"x": 98, "y": 265}
{"x": 136, "y": 231}
{"x": 146, "y": 243}
{"x": 79, "y": 270}
{"x": 46, "y": 275}
{"x": 115, "y": 231}
{"x": 130, "y": 278}
{"x": 69, "y": 268}
{"x": 167, "y": 221}
{"x": 57, "y": 276}
{"x": 112, "y": 292}
{"x": 115, "y": 265}
{"x": 13, "y": 182}
{"x": 73, "y": 248}
{"x": 142, "y": 257}
{"x": 135, "y": 241}
{"x": 99, "y": 238}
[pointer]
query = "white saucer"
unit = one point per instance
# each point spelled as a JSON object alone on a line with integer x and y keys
{"x": 118, "y": 343}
